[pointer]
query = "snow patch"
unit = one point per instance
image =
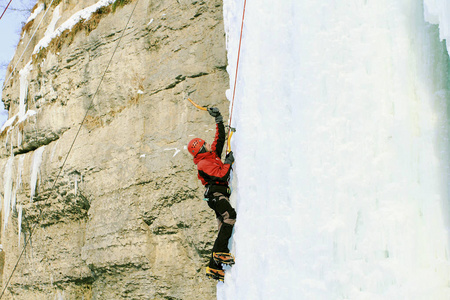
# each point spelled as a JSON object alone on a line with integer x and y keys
{"x": 170, "y": 149}
{"x": 35, "y": 13}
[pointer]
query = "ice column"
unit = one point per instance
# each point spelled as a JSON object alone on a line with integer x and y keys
{"x": 37, "y": 160}
{"x": 8, "y": 185}
{"x": 19, "y": 221}
{"x": 18, "y": 180}
{"x": 438, "y": 12}
{"x": 24, "y": 88}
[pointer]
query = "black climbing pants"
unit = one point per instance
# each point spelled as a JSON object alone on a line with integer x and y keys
{"x": 226, "y": 217}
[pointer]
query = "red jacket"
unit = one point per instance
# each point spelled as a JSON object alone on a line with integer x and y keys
{"x": 211, "y": 170}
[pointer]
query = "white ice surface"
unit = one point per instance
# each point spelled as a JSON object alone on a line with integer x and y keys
{"x": 341, "y": 179}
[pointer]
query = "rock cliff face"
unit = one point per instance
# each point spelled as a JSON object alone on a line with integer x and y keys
{"x": 113, "y": 205}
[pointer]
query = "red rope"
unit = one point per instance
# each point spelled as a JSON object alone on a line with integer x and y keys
{"x": 237, "y": 68}
{"x": 5, "y": 9}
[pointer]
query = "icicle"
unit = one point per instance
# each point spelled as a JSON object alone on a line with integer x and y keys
{"x": 13, "y": 198}
{"x": 19, "y": 221}
{"x": 18, "y": 184}
{"x": 11, "y": 145}
{"x": 8, "y": 185}
{"x": 6, "y": 140}
{"x": 37, "y": 160}
{"x": 19, "y": 171}
{"x": 19, "y": 140}
{"x": 24, "y": 88}
{"x": 52, "y": 154}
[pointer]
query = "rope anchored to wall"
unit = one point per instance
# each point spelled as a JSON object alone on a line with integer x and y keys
{"x": 232, "y": 130}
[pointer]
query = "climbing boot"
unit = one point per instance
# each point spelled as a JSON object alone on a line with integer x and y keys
{"x": 223, "y": 258}
{"x": 215, "y": 273}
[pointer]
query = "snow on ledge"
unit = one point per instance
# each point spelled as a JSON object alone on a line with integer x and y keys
{"x": 12, "y": 121}
{"x": 28, "y": 114}
{"x": 83, "y": 14}
{"x": 36, "y": 12}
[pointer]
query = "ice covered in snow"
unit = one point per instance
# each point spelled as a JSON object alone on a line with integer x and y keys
{"x": 341, "y": 179}
{"x": 83, "y": 14}
{"x": 35, "y": 166}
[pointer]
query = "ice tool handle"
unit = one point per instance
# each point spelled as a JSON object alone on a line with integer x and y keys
{"x": 198, "y": 106}
{"x": 230, "y": 131}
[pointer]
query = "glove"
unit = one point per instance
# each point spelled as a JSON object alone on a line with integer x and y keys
{"x": 229, "y": 159}
{"x": 214, "y": 112}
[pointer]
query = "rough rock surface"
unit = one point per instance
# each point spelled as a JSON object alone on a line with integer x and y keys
{"x": 121, "y": 216}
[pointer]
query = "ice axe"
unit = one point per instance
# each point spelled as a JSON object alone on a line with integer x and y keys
{"x": 196, "y": 105}
{"x": 230, "y": 132}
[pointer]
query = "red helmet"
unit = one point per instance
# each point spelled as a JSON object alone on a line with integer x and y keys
{"x": 195, "y": 145}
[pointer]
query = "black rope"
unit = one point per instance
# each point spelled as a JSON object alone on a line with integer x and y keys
{"x": 67, "y": 156}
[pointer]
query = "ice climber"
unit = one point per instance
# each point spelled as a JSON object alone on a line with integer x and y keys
{"x": 214, "y": 176}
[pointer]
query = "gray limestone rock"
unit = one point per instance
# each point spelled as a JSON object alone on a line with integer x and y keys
{"x": 121, "y": 215}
